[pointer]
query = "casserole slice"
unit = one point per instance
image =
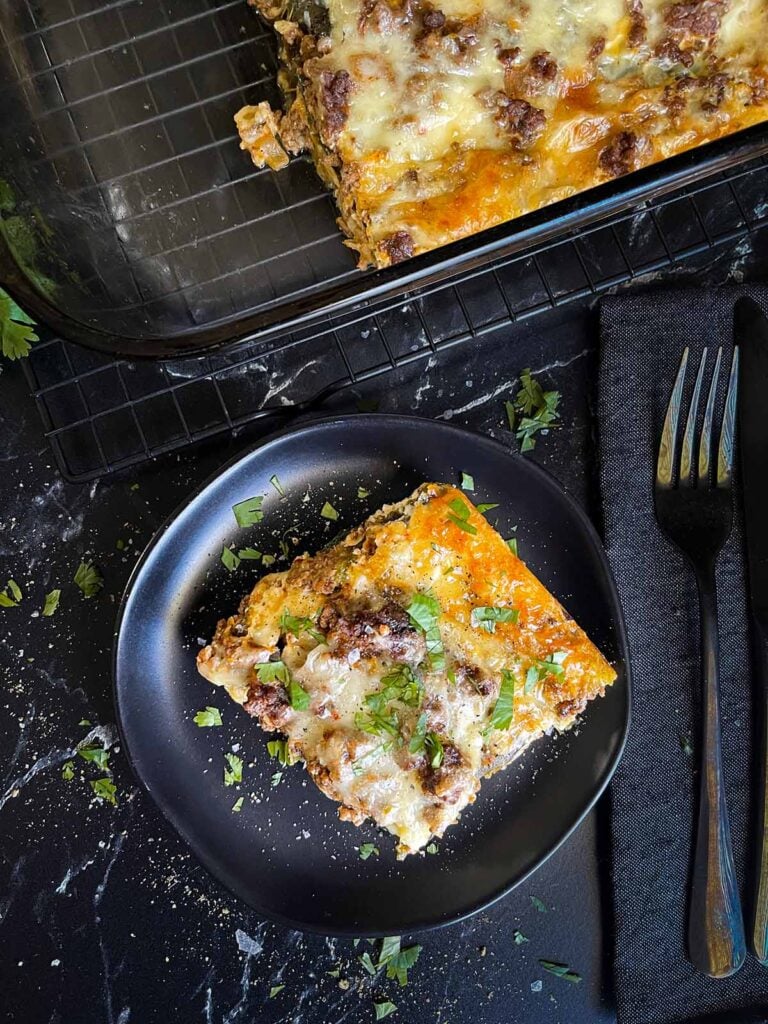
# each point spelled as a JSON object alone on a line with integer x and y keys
{"x": 407, "y": 661}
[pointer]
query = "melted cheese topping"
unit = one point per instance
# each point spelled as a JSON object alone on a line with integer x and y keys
{"x": 422, "y": 149}
{"x": 367, "y": 582}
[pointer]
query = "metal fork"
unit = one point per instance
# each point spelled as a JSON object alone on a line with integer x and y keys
{"x": 694, "y": 508}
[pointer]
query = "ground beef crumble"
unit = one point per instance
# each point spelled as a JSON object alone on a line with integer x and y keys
{"x": 398, "y": 247}
{"x": 620, "y": 156}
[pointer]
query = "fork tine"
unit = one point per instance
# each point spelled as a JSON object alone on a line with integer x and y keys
{"x": 705, "y": 445}
{"x": 668, "y": 443}
{"x": 686, "y": 455}
{"x": 725, "y": 448}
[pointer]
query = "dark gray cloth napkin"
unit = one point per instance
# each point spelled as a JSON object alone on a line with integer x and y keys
{"x": 654, "y": 792}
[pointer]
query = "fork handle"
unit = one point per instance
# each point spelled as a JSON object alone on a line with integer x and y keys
{"x": 760, "y": 667}
{"x": 716, "y": 941}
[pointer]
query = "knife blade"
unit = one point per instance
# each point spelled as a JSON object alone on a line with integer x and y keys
{"x": 750, "y": 333}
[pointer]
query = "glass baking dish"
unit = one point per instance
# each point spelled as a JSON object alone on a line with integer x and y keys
{"x": 131, "y": 221}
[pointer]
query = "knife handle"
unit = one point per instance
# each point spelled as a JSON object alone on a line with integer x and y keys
{"x": 760, "y": 668}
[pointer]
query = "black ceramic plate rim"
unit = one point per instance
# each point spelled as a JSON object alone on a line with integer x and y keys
{"x": 621, "y": 643}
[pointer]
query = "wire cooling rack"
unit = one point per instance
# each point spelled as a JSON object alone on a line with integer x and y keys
{"x": 102, "y": 415}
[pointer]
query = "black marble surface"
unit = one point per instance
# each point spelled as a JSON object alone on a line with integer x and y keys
{"x": 104, "y": 914}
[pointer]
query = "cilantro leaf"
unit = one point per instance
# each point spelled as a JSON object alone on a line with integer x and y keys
{"x": 274, "y": 990}
{"x": 105, "y": 789}
{"x": 68, "y": 771}
{"x": 10, "y": 600}
{"x": 538, "y": 670}
{"x": 207, "y": 718}
{"x": 433, "y": 747}
{"x": 88, "y": 579}
{"x": 16, "y": 331}
{"x": 519, "y": 938}
{"x": 329, "y": 512}
{"x": 431, "y": 848}
{"x": 248, "y": 553}
{"x": 297, "y": 625}
{"x": 533, "y": 410}
{"x": 276, "y": 779}
{"x": 273, "y": 672}
{"x": 229, "y": 559}
{"x": 362, "y": 492}
{"x": 539, "y": 904}
{"x": 368, "y": 964}
{"x": 484, "y": 507}
{"x": 384, "y": 1009}
{"x": 512, "y": 545}
{"x": 366, "y": 850}
{"x": 561, "y": 970}
{"x": 267, "y": 560}
{"x": 15, "y": 590}
{"x": 396, "y": 960}
{"x": 424, "y": 611}
{"x": 280, "y": 750}
{"x": 504, "y": 709}
{"x": 298, "y": 696}
{"x": 486, "y": 617}
{"x": 234, "y": 773}
{"x": 467, "y": 482}
{"x": 248, "y": 512}
{"x": 98, "y": 755}
{"x": 277, "y": 485}
{"x": 51, "y": 602}
{"x": 237, "y": 806}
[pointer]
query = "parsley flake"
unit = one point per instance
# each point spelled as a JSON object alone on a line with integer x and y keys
{"x": 248, "y": 553}
{"x": 561, "y": 970}
{"x": 396, "y": 960}
{"x": 459, "y": 515}
{"x": 512, "y": 545}
{"x": 552, "y": 665}
{"x": 486, "y": 617}
{"x": 486, "y": 506}
{"x": 384, "y": 1009}
{"x": 207, "y": 718}
{"x": 248, "y": 512}
{"x": 237, "y": 806}
{"x": 280, "y": 750}
{"x": 68, "y": 771}
{"x": 234, "y": 773}
{"x": 329, "y": 512}
{"x": 431, "y": 848}
{"x": 16, "y": 329}
{"x": 533, "y": 410}
{"x": 504, "y": 709}
{"x": 274, "y": 990}
{"x": 10, "y": 600}
{"x": 277, "y": 485}
{"x": 88, "y": 579}
{"x": 51, "y": 602}
{"x": 539, "y": 904}
{"x": 105, "y": 789}
{"x": 367, "y": 850}
{"x": 273, "y": 672}
{"x": 362, "y": 493}
{"x": 267, "y": 560}
{"x": 229, "y": 559}
{"x": 519, "y": 938}
{"x": 276, "y": 779}
{"x": 368, "y": 964}
{"x": 433, "y": 747}
{"x": 297, "y": 625}
{"x": 298, "y": 696}
{"x": 467, "y": 482}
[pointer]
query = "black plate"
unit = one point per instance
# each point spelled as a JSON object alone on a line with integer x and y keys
{"x": 286, "y": 853}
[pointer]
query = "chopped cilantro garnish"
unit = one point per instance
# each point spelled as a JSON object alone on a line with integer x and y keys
{"x": 208, "y": 717}
{"x": 417, "y": 739}
{"x": 519, "y": 938}
{"x": 561, "y": 970}
{"x": 396, "y": 960}
{"x": 280, "y": 750}
{"x": 486, "y": 617}
{"x": 539, "y": 904}
{"x": 10, "y": 600}
{"x": 431, "y": 848}
{"x": 504, "y": 709}
{"x": 362, "y": 492}
{"x": 98, "y": 755}
{"x": 267, "y": 560}
{"x": 399, "y": 684}
{"x": 384, "y": 1009}
{"x": 273, "y": 672}
{"x": 274, "y": 990}
{"x": 424, "y": 610}
{"x": 248, "y": 512}
{"x": 462, "y": 525}
{"x": 237, "y": 806}
{"x": 105, "y": 789}
{"x": 68, "y": 771}
{"x": 459, "y": 515}
{"x": 359, "y": 766}
{"x": 298, "y": 696}
{"x": 467, "y": 482}
{"x": 234, "y": 773}
{"x": 512, "y": 545}
{"x": 532, "y": 411}
{"x": 329, "y": 512}
{"x": 486, "y": 506}
{"x": 16, "y": 329}
{"x": 277, "y": 485}
{"x": 248, "y": 553}
{"x": 230, "y": 559}
{"x": 277, "y": 778}
{"x": 367, "y": 850}
{"x": 51, "y": 602}
{"x": 297, "y": 625}
{"x": 379, "y": 723}
{"x": 552, "y": 665}
{"x": 433, "y": 747}
{"x": 365, "y": 960}
{"x": 88, "y": 578}
{"x": 84, "y": 721}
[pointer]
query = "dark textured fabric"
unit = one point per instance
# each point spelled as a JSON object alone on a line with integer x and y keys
{"x": 654, "y": 792}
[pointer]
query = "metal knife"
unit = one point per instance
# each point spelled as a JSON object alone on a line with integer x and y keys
{"x": 751, "y": 335}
